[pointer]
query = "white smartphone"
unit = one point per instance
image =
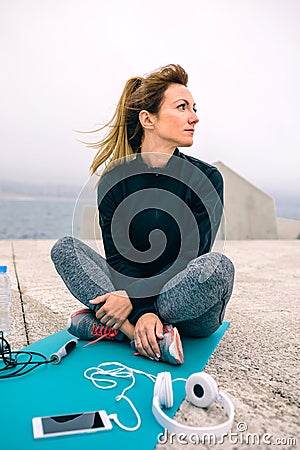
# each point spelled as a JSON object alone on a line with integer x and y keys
{"x": 86, "y": 422}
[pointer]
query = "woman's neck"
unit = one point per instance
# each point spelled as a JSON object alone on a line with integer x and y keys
{"x": 156, "y": 157}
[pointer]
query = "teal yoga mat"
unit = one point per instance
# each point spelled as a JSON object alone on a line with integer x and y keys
{"x": 62, "y": 389}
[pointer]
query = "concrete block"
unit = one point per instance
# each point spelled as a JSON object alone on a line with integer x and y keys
{"x": 288, "y": 229}
{"x": 249, "y": 212}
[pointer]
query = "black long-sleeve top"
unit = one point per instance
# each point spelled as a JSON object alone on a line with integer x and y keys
{"x": 155, "y": 220}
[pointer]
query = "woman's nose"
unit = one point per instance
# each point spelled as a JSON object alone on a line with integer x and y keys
{"x": 194, "y": 118}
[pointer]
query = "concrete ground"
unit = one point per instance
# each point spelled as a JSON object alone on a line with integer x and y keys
{"x": 256, "y": 362}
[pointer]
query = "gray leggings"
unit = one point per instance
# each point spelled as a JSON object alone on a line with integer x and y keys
{"x": 194, "y": 300}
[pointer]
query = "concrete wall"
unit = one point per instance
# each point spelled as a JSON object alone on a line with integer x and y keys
{"x": 288, "y": 229}
{"x": 249, "y": 212}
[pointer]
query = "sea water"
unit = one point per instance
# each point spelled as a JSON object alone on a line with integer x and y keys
{"x": 37, "y": 218}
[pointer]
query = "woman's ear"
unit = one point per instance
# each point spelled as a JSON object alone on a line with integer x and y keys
{"x": 147, "y": 119}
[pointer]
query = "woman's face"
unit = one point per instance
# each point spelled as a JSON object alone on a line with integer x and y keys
{"x": 175, "y": 122}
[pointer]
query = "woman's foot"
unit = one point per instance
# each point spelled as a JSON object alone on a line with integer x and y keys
{"x": 84, "y": 325}
{"x": 170, "y": 346}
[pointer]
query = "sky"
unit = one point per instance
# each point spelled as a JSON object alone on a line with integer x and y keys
{"x": 64, "y": 64}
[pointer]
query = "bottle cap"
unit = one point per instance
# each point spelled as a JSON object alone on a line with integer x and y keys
{"x": 3, "y": 269}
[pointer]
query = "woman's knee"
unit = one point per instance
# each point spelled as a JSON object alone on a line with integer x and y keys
{"x": 228, "y": 272}
{"x": 220, "y": 260}
{"x": 211, "y": 265}
{"x": 227, "y": 263}
{"x": 60, "y": 247}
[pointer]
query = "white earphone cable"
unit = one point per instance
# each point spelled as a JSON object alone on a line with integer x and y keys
{"x": 98, "y": 376}
{"x": 117, "y": 370}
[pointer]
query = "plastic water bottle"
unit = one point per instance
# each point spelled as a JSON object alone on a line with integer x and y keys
{"x": 5, "y": 301}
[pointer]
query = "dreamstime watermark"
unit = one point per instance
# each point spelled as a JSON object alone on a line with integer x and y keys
{"x": 239, "y": 437}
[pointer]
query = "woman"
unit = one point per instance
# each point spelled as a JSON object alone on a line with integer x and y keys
{"x": 159, "y": 212}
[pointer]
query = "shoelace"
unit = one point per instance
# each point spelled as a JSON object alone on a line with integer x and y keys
{"x": 103, "y": 332}
{"x": 167, "y": 328}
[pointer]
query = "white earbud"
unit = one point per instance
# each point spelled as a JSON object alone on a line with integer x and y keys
{"x": 202, "y": 391}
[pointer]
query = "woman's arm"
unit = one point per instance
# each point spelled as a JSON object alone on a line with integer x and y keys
{"x": 115, "y": 310}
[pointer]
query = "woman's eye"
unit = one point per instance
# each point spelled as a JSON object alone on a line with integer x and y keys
{"x": 181, "y": 107}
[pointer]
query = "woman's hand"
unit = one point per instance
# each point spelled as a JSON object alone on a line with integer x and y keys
{"x": 147, "y": 330}
{"x": 115, "y": 310}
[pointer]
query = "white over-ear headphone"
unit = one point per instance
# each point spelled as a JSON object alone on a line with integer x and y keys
{"x": 201, "y": 390}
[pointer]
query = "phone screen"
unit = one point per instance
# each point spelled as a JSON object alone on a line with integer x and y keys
{"x": 72, "y": 422}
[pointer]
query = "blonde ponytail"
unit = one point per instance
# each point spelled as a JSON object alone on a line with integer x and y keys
{"x": 115, "y": 145}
